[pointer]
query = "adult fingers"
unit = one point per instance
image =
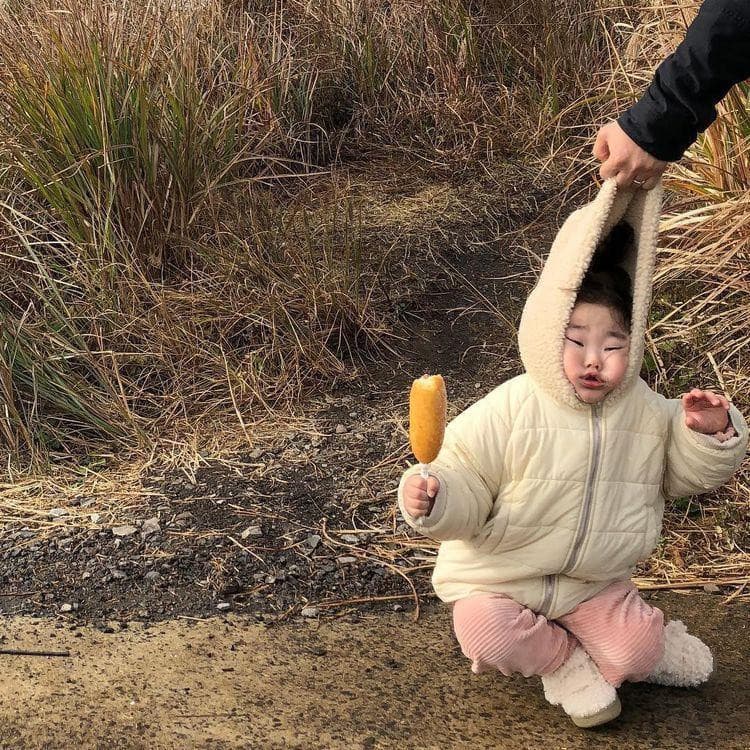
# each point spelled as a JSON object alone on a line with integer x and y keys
{"x": 628, "y": 176}
{"x": 601, "y": 145}
{"x": 652, "y": 177}
{"x": 610, "y": 168}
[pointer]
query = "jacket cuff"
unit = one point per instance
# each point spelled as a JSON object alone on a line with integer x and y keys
{"x": 709, "y": 442}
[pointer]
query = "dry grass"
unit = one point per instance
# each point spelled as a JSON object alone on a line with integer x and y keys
{"x": 167, "y": 259}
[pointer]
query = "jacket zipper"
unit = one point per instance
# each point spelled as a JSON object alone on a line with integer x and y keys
{"x": 583, "y": 521}
{"x": 549, "y": 590}
{"x": 585, "y": 517}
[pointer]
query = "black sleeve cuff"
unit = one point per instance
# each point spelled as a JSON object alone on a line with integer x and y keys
{"x": 680, "y": 101}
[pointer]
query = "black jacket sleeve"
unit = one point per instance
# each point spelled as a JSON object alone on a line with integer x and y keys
{"x": 680, "y": 101}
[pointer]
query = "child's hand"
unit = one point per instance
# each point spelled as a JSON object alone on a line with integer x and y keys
{"x": 705, "y": 411}
{"x": 419, "y": 495}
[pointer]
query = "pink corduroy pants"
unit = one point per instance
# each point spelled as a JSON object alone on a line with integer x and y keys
{"x": 620, "y": 632}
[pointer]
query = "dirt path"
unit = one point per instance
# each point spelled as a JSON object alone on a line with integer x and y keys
{"x": 385, "y": 682}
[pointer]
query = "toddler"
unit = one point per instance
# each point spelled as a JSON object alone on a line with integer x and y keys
{"x": 549, "y": 490}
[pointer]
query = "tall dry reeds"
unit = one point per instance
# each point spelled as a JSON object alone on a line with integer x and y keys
{"x": 162, "y": 260}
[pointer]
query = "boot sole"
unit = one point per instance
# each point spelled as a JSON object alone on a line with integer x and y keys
{"x": 612, "y": 711}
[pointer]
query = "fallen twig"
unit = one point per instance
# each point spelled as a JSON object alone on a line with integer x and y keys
{"x": 689, "y": 584}
{"x": 26, "y": 652}
{"x": 364, "y": 600}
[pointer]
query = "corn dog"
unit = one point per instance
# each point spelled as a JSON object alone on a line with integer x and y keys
{"x": 427, "y": 410}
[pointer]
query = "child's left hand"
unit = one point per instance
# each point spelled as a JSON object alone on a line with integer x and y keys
{"x": 705, "y": 411}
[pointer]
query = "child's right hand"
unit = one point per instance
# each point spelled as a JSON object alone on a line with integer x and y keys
{"x": 419, "y": 495}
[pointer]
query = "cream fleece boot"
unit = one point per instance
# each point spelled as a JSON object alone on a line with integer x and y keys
{"x": 578, "y": 686}
{"x": 687, "y": 661}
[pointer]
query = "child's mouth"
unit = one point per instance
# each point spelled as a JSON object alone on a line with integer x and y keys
{"x": 592, "y": 382}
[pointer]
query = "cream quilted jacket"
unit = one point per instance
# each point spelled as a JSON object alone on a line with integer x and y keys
{"x": 545, "y": 498}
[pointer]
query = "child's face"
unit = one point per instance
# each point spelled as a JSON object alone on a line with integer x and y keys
{"x": 595, "y": 352}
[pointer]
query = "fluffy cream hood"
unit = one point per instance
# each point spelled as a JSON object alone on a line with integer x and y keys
{"x": 547, "y": 310}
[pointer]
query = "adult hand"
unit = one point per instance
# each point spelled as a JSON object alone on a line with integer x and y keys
{"x": 623, "y": 159}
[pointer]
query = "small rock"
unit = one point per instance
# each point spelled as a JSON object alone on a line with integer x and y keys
{"x": 711, "y": 588}
{"x": 257, "y": 453}
{"x": 153, "y": 575}
{"x": 150, "y": 526}
{"x": 123, "y": 530}
{"x": 57, "y": 513}
{"x": 94, "y": 517}
{"x": 223, "y": 606}
{"x": 252, "y": 531}
{"x": 313, "y": 541}
{"x": 119, "y": 574}
{"x": 352, "y": 538}
{"x": 66, "y": 608}
{"x": 310, "y": 612}
{"x": 346, "y": 559}
{"x": 270, "y": 579}
{"x": 340, "y": 429}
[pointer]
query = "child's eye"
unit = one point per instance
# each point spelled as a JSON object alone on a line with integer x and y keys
{"x": 613, "y": 349}
{"x": 574, "y": 341}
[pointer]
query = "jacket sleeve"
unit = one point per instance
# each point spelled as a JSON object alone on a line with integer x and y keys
{"x": 697, "y": 463}
{"x": 469, "y": 468}
{"x": 680, "y": 101}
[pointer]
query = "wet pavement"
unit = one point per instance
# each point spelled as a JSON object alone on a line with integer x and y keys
{"x": 383, "y": 681}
